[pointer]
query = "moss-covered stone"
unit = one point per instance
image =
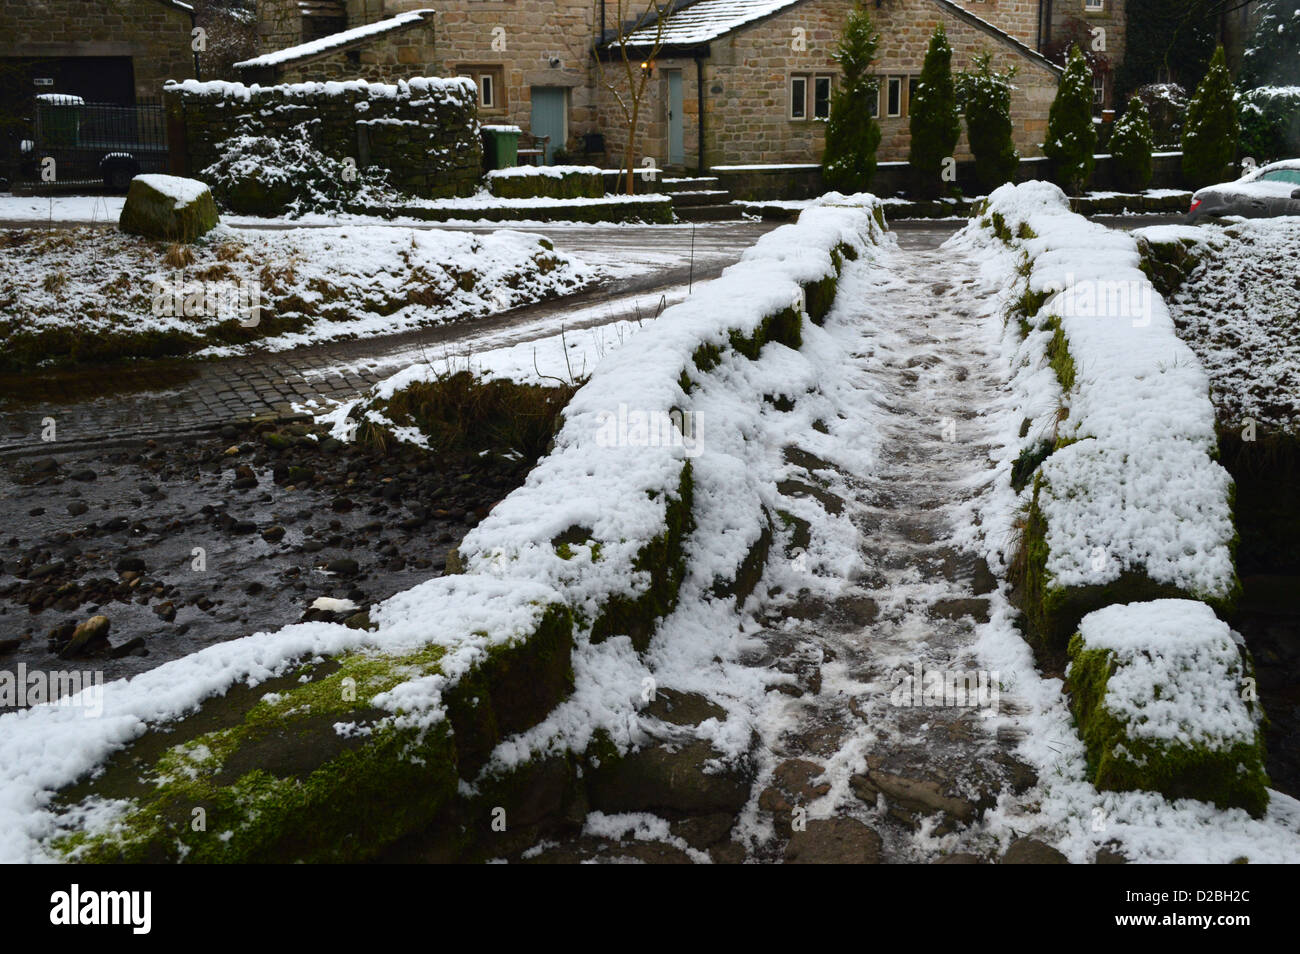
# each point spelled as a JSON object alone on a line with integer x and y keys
{"x": 309, "y": 768}
{"x": 546, "y": 184}
{"x": 1230, "y": 776}
{"x": 155, "y": 213}
{"x": 664, "y": 559}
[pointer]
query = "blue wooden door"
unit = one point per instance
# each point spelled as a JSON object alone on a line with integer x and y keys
{"x": 676, "y": 151}
{"x": 549, "y": 117}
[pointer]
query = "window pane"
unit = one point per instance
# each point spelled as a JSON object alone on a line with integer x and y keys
{"x": 798, "y": 97}
{"x": 822, "y": 97}
{"x": 485, "y": 90}
{"x": 895, "y": 96}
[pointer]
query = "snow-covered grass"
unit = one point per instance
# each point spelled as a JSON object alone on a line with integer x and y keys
{"x": 1236, "y": 307}
{"x": 609, "y": 527}
{"x": 80, "y": 295}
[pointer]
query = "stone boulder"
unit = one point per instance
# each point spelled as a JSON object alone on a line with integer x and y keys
{"x": 169, "y": 208}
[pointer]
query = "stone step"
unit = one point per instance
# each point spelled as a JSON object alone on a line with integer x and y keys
{"x": 687, "y": 184}
{"x": 708, "y": 213}
{"x": 701, "y": 197}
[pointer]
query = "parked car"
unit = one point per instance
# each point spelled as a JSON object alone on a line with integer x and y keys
{"x": 1270, "y": 190}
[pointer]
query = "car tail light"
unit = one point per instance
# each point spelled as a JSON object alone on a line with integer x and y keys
{"x": 1196, "y": 204}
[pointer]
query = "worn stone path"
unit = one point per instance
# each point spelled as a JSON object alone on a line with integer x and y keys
{"x": 930, "y": 368}
{"x": 840, "y": 772}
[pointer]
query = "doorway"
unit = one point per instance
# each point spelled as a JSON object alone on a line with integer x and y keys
{"x": 550, "y": 117}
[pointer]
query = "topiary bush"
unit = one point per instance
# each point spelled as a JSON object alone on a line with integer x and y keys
{"x": 935, "y": 123}
{"x": 1071, "y": 135}
{"x": 852, "y": 133}
{"x": 985, "y": 98}
{"x": 1131, "y": 146}
{"x": 1210, "y": 136}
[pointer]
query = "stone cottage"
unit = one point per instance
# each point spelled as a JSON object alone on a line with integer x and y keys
{"x": 732, "y": 81}
{"x": 105, "y": 51}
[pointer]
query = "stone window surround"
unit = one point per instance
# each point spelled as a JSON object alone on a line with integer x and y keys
{"x": 809, "y": 80}
{"x": 497, "y": 72}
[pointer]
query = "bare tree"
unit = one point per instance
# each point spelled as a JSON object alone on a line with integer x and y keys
{"x": 631, "y": 75}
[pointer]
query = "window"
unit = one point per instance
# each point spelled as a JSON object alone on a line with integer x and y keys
{"x": 1291, "y": 176}
{"x": 822, "y": 97}
{"x": 490, "y": 80}
{"x": 1098, "y": 90}
{"x": 894, "y": 96}
{"x": 810, "y": 95}
{"x": 1094, "y": 5}
{"x": 798, "y": 97}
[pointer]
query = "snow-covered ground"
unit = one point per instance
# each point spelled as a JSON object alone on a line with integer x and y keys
{"x": 286, "y": 288}
{"x": 1238, "y": 310}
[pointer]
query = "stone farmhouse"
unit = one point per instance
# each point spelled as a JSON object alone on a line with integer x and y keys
{"x": 728, "y": 82}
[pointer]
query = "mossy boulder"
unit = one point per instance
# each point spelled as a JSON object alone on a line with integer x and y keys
{"x": 168, "y": 208}
{"x": 1163, "y": 695}
{"x": 332, "y": 762}
{"x": 1087, "y": 542}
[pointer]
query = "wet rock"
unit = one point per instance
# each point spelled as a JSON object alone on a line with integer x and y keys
{"x": 1031, "y": 851}
{"x": 84, "y": 474}
{"x": 85, "y": 636}
{"x": 77, "y": 508}
{"x": 129, "y": 564}
{"x": 36, "y": 512}
{"x": 913, "y": 797}
{"x": 1108, "y": 856}
{"x": 978, "y": 609}
{"x": 663, "y": 778}
{"x": 273, "y": 534}
{"x": 703, "y": 831}
{"x": 959, "y": 858}
{"x": 983, "y": 580}
{"x": 243, "y": 527}
{"x": 128, "y": 648}
{"x": 46, "y": 465}
{"x": 796, "y": 775}
{"x": 343, "y": 567}
{"x": 166, "y": 611}
{"x": 358, "y": 620}
{"x": 843, "y": 841}
{"x": 683, "y": 708}
{"x": 9, "y": 645}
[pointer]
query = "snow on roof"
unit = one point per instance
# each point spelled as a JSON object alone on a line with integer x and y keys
{"x": 334, "y": 41}
{"x": 707, "y": 20}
